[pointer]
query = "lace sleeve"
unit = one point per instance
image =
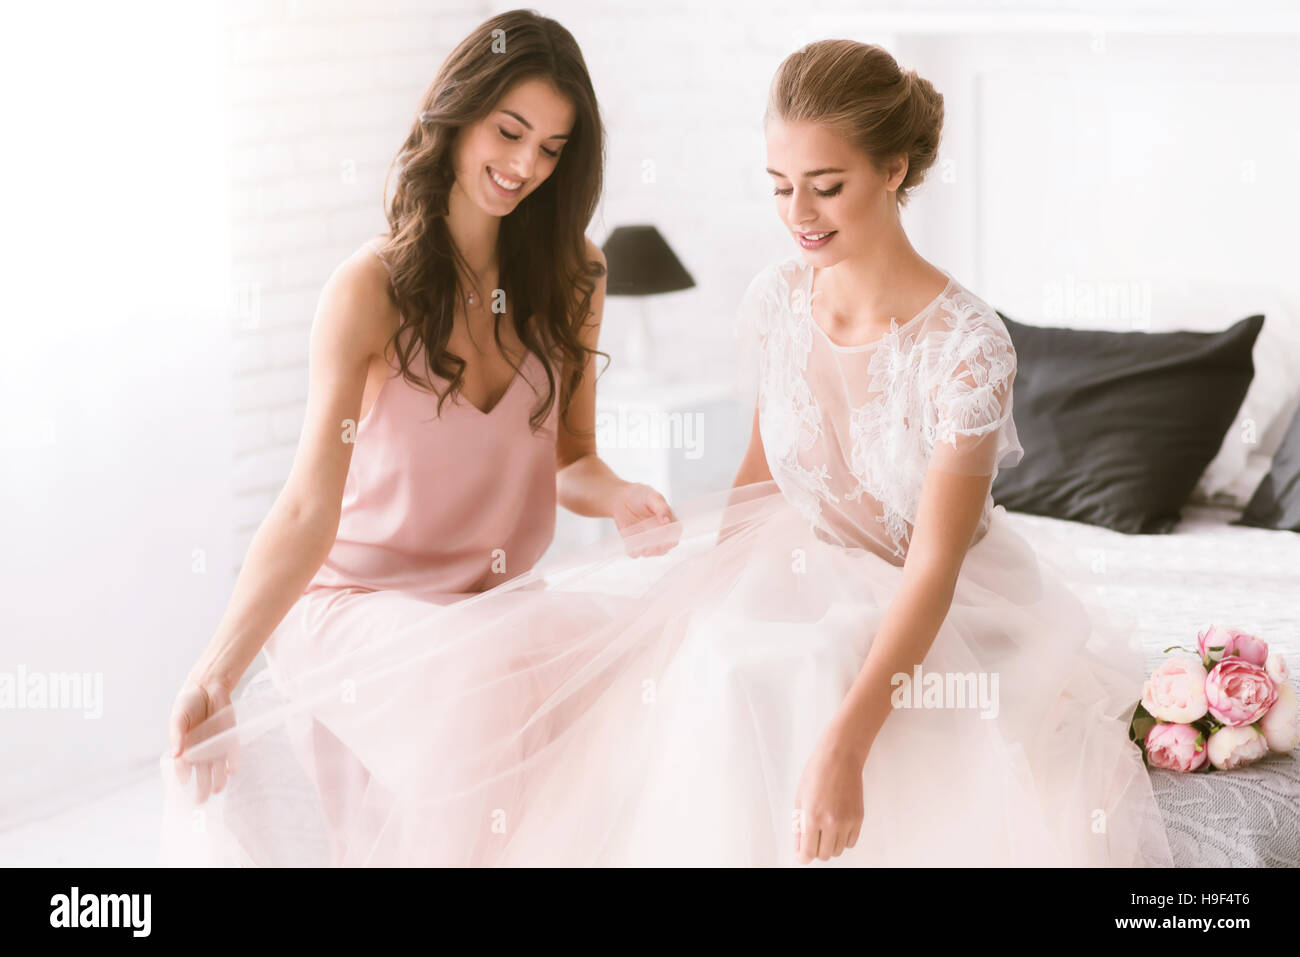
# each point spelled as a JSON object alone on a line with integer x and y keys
{"x": 749, "y": 328}
{"x": 968, "y": 421}
{"x": 755, "y": 310}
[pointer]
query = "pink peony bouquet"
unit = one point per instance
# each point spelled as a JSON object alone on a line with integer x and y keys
{"x": 1224, "y": 709}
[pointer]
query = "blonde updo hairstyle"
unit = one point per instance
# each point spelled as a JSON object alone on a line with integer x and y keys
{"x": 859, "y": 90}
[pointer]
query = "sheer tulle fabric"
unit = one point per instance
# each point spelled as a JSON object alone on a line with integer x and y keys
{"x": 659, "y": 711}
{"x": 606, "y": 710}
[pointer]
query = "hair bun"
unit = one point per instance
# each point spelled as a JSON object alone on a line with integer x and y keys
{"x": 859, "y": 90}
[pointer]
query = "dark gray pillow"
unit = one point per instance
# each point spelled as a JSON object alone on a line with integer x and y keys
{"x": 1276, "y": 502}
{"x": 1117, "y": 427}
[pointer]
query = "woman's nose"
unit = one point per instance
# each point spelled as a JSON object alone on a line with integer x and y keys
{"x": 521, "y": 163}
{"x": 801, "y": 208}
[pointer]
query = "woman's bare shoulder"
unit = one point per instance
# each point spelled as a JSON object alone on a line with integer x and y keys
{"x": 371, "y": 252}
{"x": 358, "y": 294}
{"x": 374, "y": 245}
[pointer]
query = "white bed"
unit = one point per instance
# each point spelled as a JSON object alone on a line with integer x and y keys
{"x": 1171, "y": 587}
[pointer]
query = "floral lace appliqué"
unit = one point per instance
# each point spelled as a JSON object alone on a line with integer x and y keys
{"x": 929, "y": 382}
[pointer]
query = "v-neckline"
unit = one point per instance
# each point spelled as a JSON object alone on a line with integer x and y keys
{"x": 514, "y": 380}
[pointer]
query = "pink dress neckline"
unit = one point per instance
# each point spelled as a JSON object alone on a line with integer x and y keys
{"x": 443, "y": 504}
{"x": 522, "y": 373}
{"x": 528, "y": 373}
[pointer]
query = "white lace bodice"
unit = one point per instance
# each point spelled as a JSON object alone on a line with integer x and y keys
{"x": 850, "y": 431}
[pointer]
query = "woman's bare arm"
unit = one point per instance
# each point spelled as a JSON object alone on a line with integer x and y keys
{"x": 947, "y": 518}
{"x": 829, "y": 795}
{"x": 350, "y": 327}
{"x": 753, "y": 467}
{"x": 584, "y": 483}
{"x": 948, "y": 514}
{"x": 753, "y": 470}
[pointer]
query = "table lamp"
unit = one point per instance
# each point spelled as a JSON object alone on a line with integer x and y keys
{"x": 641, "y": 263}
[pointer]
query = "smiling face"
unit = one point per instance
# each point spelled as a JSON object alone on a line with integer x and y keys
{"x": 829, "y": 195}
{"x": 510, "y": 152}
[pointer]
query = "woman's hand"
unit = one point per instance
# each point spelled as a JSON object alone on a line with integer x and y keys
{"x": 828, "y": 801}
{"x": 197, "y": 702}
{"x": 638, "y": 511}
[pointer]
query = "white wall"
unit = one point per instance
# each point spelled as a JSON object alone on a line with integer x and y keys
{"x": 115, "y": 460}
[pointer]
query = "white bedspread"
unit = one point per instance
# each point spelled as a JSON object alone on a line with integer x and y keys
{"x": 1170, "y": 587}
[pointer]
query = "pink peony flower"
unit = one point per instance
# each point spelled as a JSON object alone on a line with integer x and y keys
{"x": 1276, "y": 668}
{"x": 1236, "y": 747}
{"x": 1176, "y": 691}
{"x": 1239, "y": 692}
{"x": 1281, "y": 725}
{"x": 1218, "y": 642}
{"x": 1178, "y": 747}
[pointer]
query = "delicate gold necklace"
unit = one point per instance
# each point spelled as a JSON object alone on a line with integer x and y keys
{"x": 471, "y": 298}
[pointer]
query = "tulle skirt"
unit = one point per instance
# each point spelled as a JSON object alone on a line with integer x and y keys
{"x": 607, "y": 710}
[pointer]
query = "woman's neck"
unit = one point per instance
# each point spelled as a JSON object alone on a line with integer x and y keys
{"x": 473, "y": 231}
{"x": 864, "y": 290}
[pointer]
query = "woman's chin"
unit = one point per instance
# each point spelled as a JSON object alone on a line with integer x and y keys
{"x": 820, "y": 258}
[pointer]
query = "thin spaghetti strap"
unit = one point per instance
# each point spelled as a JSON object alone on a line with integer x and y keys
{"x": 378, "y": 251}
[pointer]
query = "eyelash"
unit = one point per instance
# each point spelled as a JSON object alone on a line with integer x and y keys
{"x": 516, "y": 139}
{"x": 834, "y": 191}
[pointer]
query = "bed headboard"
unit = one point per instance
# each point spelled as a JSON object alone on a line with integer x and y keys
{"x": 1114, "y": 156}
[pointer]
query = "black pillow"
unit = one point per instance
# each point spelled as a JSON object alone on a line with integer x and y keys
{"x": 1117, "y": 427}
{"x": 1276, "y": 502}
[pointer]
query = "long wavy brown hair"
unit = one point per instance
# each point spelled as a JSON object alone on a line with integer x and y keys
{"x": 545, "y": 273}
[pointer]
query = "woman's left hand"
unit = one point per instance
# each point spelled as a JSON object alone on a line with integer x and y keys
{"x": 828, "y": 802}
{"x": 638, "y": 512}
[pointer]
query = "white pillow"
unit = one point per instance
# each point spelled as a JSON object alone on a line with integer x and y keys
{"x": 1261, "y": 423}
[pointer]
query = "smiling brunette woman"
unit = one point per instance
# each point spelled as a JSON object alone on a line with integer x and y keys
{"x": 450, "y": 408}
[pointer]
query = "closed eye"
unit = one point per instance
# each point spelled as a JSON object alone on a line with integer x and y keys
{"x": 833, "y": 191}
{"x": 514, "y": 137}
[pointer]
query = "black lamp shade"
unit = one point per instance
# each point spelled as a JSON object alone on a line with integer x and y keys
{"x": 641, "y": 263}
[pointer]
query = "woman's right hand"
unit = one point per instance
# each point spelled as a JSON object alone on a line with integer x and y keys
{"x": 639, "y": 512}
{"x": 197, "y": 702}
